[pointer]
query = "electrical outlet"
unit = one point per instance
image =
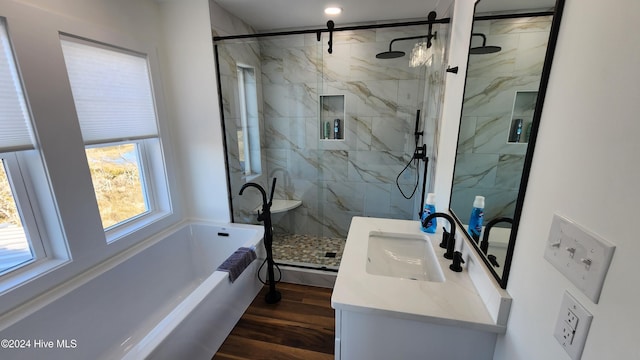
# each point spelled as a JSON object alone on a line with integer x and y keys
{"x": 567, "y": 333}
{"x": 571, "y": 319}
{"x": 572, "y": 326}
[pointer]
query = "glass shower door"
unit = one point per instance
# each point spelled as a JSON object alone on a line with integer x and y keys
{"x": 336, "y": 130}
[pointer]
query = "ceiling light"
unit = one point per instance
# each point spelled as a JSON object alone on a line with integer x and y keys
{"x": 332, "y": 10}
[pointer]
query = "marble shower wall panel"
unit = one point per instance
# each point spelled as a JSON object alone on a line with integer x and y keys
{"x": 467, "y": 134}
{"x": 476, "y": 170}
{"x": 378, "y": 167}
{"x": 487, "y": 164}
{"x": 509, "y": 171}
{"x": 535, "y": 47}
{"x": 304, "y": 164}
{"x": 334, "y": 165}
{"x": 392, "y": 134}
{"x": 306, "y": 219}
{"x": 344, "y": 196}
{"x": 337, "y": 66}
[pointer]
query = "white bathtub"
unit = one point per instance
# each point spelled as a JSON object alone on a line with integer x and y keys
{"x": 164, "y": 301}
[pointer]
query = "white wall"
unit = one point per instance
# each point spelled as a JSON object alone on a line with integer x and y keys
{"x": 34, "y": 27}
{"x": 452, "y": 108}
{"x": 586, "y": 168}
{"x": 190, "y": 73}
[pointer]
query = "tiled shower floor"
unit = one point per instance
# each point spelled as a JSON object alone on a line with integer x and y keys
{"x": 308, "y": 251}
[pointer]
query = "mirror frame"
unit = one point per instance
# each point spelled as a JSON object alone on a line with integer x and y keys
{"x": 542, "y": 90}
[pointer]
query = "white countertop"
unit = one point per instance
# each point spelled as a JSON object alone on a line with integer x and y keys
{"x": 454, "y": 302}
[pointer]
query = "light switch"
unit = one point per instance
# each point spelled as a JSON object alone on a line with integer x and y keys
{"x": 582, "y": 256}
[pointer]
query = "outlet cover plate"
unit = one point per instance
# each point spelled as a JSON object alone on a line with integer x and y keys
{"x": 580, "y": 255}
{"x": 572, "y": 326}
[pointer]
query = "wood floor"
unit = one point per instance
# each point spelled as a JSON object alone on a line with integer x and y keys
{"x": 300, "y": 326}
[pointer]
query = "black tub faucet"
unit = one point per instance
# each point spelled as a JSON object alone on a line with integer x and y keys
{"x": 451, "y": 243}
{"x": 273, "y": 296}
{"x": 484, "y": 244}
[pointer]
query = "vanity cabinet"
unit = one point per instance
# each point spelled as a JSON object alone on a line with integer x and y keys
{"x": 366, "y": 335}
{"x": 399, "y": 317}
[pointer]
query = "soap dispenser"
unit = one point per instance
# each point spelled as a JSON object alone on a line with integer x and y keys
{"x": 429, "y": 208}
{"x": 476, "y": 218}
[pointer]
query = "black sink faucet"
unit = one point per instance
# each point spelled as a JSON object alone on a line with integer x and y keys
{"x": 452, "y": 236}
{"x": 484, "y": 244}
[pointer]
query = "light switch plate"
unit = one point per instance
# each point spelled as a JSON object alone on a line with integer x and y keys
{"x": 580, "y": 255}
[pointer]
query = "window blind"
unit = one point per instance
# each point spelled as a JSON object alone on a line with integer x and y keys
{"x": 112, "y": 93}
{"x": 15, "y": 128}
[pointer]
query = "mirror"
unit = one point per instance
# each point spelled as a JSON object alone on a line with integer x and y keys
{"x": 507, "y": 72}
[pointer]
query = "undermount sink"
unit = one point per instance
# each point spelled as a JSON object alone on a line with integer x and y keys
{"x": 405, "y": 256}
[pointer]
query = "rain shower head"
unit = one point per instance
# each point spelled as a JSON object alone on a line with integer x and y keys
{"x": 398, "y": 54}
{"x": 484, "y": 49}
{"x": 481, "y": 50}
{"x": 390, "y": 54}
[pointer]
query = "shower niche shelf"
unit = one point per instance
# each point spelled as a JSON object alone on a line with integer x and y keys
{"x": 332, "y": 117}
{"x": 524, "y": 105}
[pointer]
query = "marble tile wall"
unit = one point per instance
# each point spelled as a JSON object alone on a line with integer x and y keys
{"x": 334, "y": 179}
{"x": 487, "y": 164}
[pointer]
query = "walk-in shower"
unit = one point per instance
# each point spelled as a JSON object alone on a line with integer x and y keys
{"x": 335, "y": 129}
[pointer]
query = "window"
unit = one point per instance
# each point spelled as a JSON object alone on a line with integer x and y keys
{"x": 248, "y": 132}
{"x": 117, "y": 181}
{"x": 116, "y": 110}
{"x": 19, "y": 240}
{"x": 15, "y": 250}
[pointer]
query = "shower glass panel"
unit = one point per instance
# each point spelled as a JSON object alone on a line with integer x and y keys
{"x": 336, "y": 130}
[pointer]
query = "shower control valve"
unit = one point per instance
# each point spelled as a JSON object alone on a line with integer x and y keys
{"x": 420, "y": 153}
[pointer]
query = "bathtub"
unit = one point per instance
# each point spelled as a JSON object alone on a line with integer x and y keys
{"x": 165, "y": 300}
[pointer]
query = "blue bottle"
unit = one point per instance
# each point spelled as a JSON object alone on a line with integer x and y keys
{"x": 429, "y": 208}
{"x": 476, "y": 218}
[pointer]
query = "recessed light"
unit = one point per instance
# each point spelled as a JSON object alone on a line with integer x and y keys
{"x": 332, "y": 10}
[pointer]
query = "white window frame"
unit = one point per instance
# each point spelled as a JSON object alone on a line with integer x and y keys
{"x": 23, "y": 204}
{"x": 155, "y": 184}
{"x": 28, "y": 181}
